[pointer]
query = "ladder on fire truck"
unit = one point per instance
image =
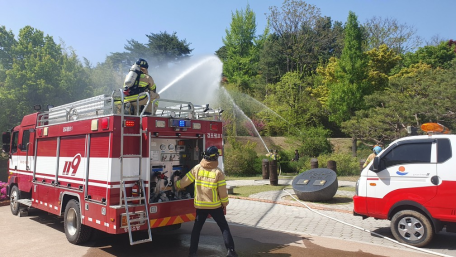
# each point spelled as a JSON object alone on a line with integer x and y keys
{"x": 132, "y": 201}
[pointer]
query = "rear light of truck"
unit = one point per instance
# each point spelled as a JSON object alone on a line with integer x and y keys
{"x": 104, "y": 123}
{"x": 129, "y": 123}
{"x": 214, "y": 127}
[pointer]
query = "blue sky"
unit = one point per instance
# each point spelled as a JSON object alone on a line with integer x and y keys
{"x": 94, "y": 28}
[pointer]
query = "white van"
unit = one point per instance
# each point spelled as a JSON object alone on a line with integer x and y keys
{"x": 412, "y": 183}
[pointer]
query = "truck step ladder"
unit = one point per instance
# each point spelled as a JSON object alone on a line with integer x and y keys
{"x": 129, "y": 202}
{"x": 145, "y": 218}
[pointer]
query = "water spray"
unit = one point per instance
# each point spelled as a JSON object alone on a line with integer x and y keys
{"x": 268, "y": 109}
{"x": 185, "y": 73}
{"x": 243, "y": 114}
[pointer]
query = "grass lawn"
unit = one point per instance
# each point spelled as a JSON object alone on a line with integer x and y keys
{"x": 246, "y": 191}
{"x": 289, "y": 176}
{"x": 350, "y": 189}
{"x": 259, "y": 177}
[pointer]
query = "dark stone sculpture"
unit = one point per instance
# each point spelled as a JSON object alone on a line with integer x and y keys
{"x": 316, "y": 185}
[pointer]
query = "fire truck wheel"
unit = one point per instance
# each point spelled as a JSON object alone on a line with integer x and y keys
{"x": 411, "y": 227}
{"x": 14, "y": 196}
{"x": 75, "y": 231}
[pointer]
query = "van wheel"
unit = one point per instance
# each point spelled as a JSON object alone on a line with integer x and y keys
{"x": 15, "y": 195}
{"x": 411, "y": 227}
{"x": 75, "y": 231}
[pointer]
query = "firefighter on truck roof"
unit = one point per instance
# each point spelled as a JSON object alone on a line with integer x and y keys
{"x": 211, "y": 197}
{"x": 139, "y": 81}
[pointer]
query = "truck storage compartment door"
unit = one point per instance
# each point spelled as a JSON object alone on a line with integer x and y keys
{"x": 98, "y": 167}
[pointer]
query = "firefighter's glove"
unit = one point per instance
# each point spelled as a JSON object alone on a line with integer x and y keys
{"x": 126, "y": 91}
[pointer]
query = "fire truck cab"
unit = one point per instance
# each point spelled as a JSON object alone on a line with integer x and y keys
{"x": 101, "y": 167}
{"x": 412, "y": 183}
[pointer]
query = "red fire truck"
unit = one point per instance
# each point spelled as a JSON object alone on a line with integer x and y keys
{"x": 102, "y": 167}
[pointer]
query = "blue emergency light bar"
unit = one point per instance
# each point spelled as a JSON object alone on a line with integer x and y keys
{"x": 180, "y": 123}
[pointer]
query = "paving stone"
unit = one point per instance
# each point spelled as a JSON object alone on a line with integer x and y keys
{"x": 265, "y": 210}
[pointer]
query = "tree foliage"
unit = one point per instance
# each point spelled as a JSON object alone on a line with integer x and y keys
{"x": 422, "y": 95}
{"x": 36, "y": 70}
{"x": 161, "y": 50}
{"x": 439, "y": 56}
{"x": 288, "y": 23}
{"x": 399, "y": 37}
{"x": 297, "y": 109}
{"x": 240, "y": 55}
{"x": 347, "y": 92}
{"x": 381, "y": 62}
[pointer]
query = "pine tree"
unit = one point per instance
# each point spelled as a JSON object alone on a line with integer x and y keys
{"x": 348, "y": 91}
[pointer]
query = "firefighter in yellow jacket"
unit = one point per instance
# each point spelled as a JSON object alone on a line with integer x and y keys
{"x": 211, "y": 198}
{"x": 145, "y": 83}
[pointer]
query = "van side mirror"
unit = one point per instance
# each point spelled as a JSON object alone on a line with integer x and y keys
{"x": 375, "y": 164}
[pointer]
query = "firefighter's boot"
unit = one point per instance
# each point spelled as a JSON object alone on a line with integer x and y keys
{"x": 231, "y": 253}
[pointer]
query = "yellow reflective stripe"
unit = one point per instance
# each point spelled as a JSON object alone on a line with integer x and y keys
{"x": 143, "y": 84}
{"x": 190, "y": 176}
{"x": 221, "y": 183}
{"x": 206, "y": 174}
{"x": 178, "y": 184}
{"x": 207, "y": 204}
{"x": 214, "y": 195}
{"x": 134, "y": 97}
{"x": 205, "y": 184}
{"x": 153, "y": 87}
{"x": 224, "y": 200}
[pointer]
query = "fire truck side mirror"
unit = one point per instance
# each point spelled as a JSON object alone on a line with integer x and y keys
{"x": 375, "y": 164}
{"x": 6, "y": 138}
{"x": 6, "y": 148}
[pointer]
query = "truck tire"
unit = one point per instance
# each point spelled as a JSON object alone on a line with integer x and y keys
{"x": 15, "y": 195}
{"x": 75, "y": 231}
{"x": 411, "y": 227}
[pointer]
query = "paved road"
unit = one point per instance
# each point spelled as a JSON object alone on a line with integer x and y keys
{"x": 40, "y": 234}
{"x": 265, "y": 225}
{"x": 269, "y": 210}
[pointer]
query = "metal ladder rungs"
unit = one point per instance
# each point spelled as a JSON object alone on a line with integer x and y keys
{"x": 132, "y": 176}
{"x": 130, "y": 205}
{"x": 145, "y": 219}
{"x": 131, "y": 199}
{"x": 138, "y": 220}
{"x": 140, "y": 241}
{"x": 141, "y": 200}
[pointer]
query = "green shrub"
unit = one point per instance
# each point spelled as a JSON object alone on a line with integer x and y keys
{"x": 346, "y": 164}
{"x": 289, "y": 166}
{"x": 241, "y": 159}
{"x": 313, "y": 142}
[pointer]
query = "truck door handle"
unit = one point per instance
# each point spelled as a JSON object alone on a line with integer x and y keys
{"x": 435, "y": 180}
